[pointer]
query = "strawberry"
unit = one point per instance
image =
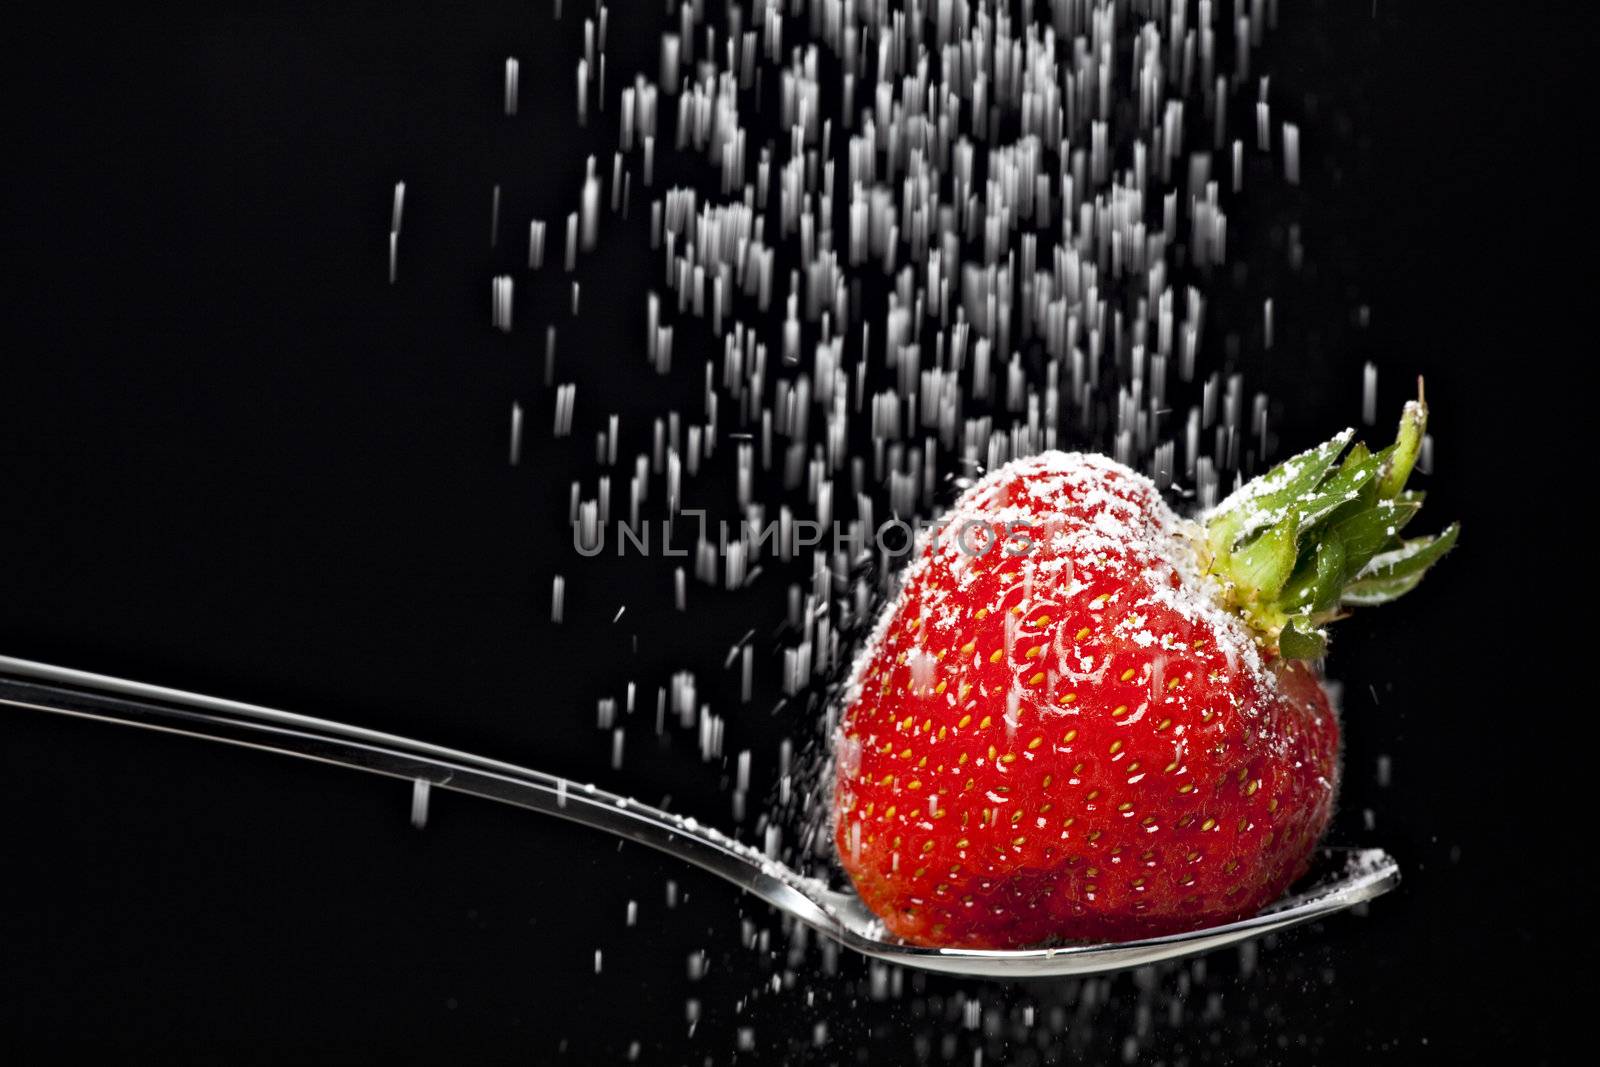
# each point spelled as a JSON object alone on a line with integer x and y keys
{"x": 1084, "y": 718}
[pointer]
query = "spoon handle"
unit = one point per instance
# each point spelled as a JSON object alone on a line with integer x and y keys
{"x": 64, "y": 691}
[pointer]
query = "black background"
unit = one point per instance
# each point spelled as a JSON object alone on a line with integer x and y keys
{"x": 233, "y": 459}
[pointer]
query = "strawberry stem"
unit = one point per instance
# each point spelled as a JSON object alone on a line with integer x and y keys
{"x": 1320, "y": 533}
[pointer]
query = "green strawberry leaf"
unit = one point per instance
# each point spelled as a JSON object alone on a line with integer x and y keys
{"x": 1391, "y": 574}
{"x": 1359, "y": 453}
{"x": 1375, "y": 591}
{"x": 1261, "y": 568}
{"x": 1330, "y": 564}
{"x": 1261, "y": 502}
{"x": 1341, "y": 494}
{"x": 1402, "y": 455}
{"x": 1320, "y": 533}
{"x": 1366, "y": 533}
{"x": 1295, "y": 643}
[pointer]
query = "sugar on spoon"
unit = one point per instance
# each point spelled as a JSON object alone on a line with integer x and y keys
{"x": 1341, "y": 878}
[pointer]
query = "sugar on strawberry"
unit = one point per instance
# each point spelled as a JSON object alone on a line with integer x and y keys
{"x": 1086, "y": 718}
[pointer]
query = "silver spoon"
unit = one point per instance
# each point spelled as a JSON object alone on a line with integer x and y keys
{"x": 1343, "y": 877}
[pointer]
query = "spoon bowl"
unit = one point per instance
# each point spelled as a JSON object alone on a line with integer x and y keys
{"x": 1341, "y": 878}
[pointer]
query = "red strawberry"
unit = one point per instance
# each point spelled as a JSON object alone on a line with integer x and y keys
{"x": 1109, "y": 726}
